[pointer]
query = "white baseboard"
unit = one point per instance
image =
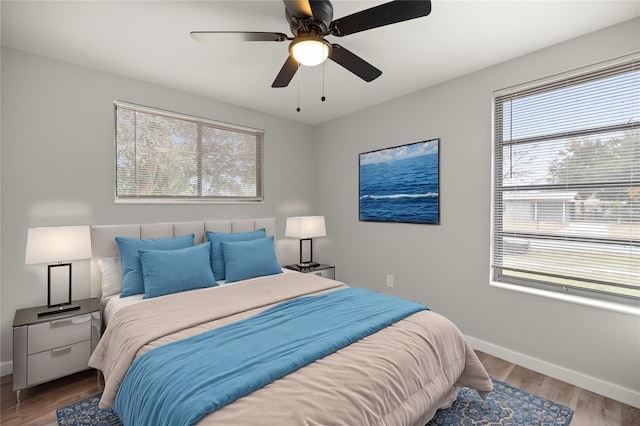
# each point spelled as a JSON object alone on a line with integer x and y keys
{"x": 6, "y": 368}
{"x": 610, "y": 390}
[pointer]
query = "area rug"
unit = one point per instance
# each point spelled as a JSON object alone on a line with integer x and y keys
{"x": 506, "y": 405}
{"x": 87, "y": 412}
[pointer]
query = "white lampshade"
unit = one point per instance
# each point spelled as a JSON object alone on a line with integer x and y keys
{"x": 57, "y": 244}
{"x": 305, "y": 227}
{"x": 310, "y": 51}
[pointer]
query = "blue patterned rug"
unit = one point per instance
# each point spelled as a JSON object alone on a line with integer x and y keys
{"x": 506, "y": 405}
{"x": 87, "y": 412}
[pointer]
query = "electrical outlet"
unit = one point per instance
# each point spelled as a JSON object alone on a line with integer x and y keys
{"x": 390, "y": 281}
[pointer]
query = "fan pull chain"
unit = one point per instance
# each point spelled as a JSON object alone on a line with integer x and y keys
{"x": 323, "y": 97}
{"x": 298, "y": 109}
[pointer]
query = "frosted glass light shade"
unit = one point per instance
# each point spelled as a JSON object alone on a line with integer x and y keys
{"x": 57, "y": 244}
{"x": 305, "y": 227}
{"x": 310, "y": 52}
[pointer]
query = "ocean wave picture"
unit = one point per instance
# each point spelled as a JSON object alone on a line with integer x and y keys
{"x": 401, "y": 184}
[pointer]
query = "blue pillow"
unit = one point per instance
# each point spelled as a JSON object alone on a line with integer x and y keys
{"x": 132, "y": 282}
{"x": 172, "y": 271}
{"x": 217, "y": 258}
{"x": 250, "y": 259}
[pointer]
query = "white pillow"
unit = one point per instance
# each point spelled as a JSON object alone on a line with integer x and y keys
{"x": 111, "y": 269}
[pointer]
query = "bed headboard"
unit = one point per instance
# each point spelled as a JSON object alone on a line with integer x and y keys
{"x": 103, "y": 243}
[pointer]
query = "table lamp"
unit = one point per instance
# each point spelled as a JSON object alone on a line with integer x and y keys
{"x": 305, "y": 228}
{"x": 57, "y": 246}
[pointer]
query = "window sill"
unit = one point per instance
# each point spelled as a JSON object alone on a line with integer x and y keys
{"x": 600, "y": 304}
{"x": 184, "y": 201}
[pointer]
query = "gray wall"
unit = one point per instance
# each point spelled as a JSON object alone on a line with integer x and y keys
{"x": 447, "y": 266}
{"x": 58, "y": 156}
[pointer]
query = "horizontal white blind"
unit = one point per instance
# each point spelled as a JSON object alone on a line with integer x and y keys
{"x": 566, "y": 205}
{"x": 173, "y": 157}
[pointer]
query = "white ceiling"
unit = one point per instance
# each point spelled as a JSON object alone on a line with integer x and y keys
{"x": 150, "y": 41}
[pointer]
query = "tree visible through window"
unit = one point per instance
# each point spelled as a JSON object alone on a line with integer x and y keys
{"x": 566, "y": 208}
{"x": 163, "y": 156}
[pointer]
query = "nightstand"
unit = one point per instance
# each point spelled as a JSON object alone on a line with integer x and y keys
{"x": 49, "y": 347}
{"x": 327, "y": 271}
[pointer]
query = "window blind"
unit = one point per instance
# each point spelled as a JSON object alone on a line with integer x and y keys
{"x": 164, "y": 156}
{"x": 566, "y": 184}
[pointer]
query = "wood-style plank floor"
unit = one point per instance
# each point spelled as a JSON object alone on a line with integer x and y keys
{"x": 40, "y": 402}
{"x": 589, "y": 408}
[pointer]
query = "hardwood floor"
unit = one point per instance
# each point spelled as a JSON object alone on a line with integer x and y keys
{"x": 40, "y": 402}
{"x": 589, "y": 408}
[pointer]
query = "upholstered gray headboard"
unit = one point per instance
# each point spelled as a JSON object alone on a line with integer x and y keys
{"x": 103, "y": 243}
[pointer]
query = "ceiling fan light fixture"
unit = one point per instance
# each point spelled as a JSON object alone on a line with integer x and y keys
{"x": 310, "y": 51}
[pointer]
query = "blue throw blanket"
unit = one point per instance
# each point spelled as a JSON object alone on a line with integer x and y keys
{"x": 179, "y": 383}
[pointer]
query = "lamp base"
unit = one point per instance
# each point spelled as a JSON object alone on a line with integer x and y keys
{"x": 307, "y": 265}
{"x": 58, "y": 310}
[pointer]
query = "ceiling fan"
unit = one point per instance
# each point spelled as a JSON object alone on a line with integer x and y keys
{"x": 311, "y": 20}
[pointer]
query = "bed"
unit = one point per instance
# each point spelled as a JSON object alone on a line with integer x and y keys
{"x": 398, "y": 374}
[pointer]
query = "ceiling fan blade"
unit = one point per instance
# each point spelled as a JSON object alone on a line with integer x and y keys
{"x": 286, "y": 73}
{"x": 215, "y": 36}
{"x": 299, "y": 8}
{"x": 379, "y": 16}
{"x": 354, "y": 63}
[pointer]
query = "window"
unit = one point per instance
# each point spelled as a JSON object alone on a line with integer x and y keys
{"x": 566, "y": 184}
{"x": 167, "y": 157}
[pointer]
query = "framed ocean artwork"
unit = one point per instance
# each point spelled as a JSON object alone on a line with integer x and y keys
{"x": 401, "y": 184}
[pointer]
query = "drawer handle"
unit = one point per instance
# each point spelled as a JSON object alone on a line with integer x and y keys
{"x": 61, "y": 351}
{"x": 61, "y": 323}
{"x": 70, "y": 321}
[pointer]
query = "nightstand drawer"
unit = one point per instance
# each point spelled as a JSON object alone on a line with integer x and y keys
{"x": 58, "y": 333}
{"x": 58, "y": 362}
